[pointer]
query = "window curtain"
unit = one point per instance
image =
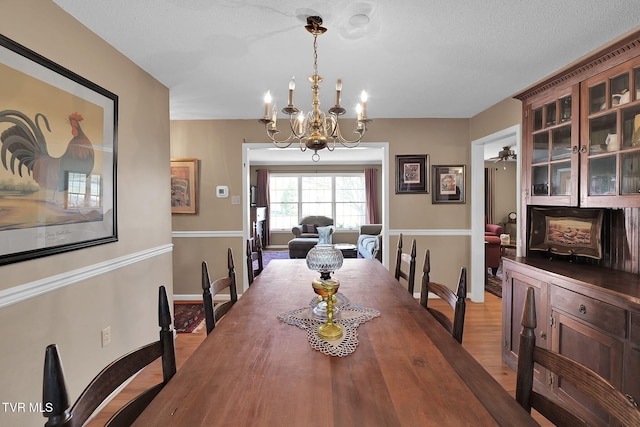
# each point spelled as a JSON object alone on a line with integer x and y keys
{"x": 262, "y": 199}
{"x": 371, "y": 190}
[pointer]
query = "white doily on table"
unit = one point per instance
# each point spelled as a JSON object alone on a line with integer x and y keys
{"x": 350, "y": 317}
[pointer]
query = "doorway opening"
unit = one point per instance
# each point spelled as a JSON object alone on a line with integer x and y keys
{"x": 506, "y": 137}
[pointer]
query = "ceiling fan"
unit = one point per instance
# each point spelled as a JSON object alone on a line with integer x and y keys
{"x": 505, "y": 154}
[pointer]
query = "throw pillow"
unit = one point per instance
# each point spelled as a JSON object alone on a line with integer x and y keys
{"x": 309, "y": 228}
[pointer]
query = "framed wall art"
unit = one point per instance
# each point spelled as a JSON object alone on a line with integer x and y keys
{"x": 58, "y": 136}
{"x": 567, "y": 231}
{"x": 184, "y": 186}
{"x": 448, "y": 184}
{"x": 412, "y": 174}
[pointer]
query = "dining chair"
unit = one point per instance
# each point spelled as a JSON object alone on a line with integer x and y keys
{"x": 213, "y": 313}
{"x": 455, "y": 300}
{"x": 622, "y": 407}
{"x": 409, "y": 263}
{"x": 55, "y": 397}
{"x": 254, "y": 253}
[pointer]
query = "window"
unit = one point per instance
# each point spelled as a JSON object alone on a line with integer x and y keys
{"x": 338, "y": 196}
{"x": 83, "y": 190}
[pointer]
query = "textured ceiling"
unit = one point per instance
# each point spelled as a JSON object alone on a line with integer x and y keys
{"x": 415, "y": 58}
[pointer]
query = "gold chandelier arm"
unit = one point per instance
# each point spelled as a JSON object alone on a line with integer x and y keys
{"x": 271, "y": 134}
{"x": 360, "y": 130}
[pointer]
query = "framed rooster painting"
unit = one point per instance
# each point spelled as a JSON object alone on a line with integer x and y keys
{"x": 57, "y": 158}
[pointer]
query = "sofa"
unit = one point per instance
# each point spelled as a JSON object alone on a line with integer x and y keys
{"x": 306, "y": 235}
{"x": 370, "y": 241}
{"x": 492, "y": 234}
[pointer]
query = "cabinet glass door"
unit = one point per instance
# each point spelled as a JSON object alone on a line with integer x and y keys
{"x": 610, "y": 165}
{"x": 553, "y": 151}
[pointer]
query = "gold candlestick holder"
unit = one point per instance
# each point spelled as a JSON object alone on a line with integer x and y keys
{"x": 327, "y": 288}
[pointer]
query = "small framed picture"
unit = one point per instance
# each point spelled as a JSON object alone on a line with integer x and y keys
{"x": 412, "y": 174}
{"x": 184, "y": 186}
{"x": 448, "y": 184}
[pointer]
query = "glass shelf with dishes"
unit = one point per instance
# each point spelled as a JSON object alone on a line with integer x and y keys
{"x": 552, "y": 161}
{"x": 610, "y": 158}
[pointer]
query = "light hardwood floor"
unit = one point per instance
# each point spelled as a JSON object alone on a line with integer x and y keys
{"x": 482, "y": 338}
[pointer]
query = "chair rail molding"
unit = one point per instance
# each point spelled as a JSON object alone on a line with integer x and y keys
{"x": 36, "y": 288}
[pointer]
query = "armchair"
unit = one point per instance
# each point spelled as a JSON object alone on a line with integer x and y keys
{"x": 306, "y": 235}
{"x": 370, "y": 241}
{"x": 492, "y": 229}
{"x": 492, "y": 234}
{"x": 308, "y": 227}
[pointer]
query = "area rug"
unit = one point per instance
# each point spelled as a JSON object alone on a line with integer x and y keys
{"x": 271, "y": 255}
{"x": 187, "y": 317}
{"x": 494, "y": 285}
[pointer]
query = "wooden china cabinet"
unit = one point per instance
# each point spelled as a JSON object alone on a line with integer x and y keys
{"x": 581, "y": 149}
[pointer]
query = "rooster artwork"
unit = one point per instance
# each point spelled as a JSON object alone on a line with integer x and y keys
{"x": 24, "y": 152}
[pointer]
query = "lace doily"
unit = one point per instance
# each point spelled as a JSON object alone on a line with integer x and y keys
{"x": 350, "y": 317}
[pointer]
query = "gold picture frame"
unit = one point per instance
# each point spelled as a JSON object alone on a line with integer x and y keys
{"x": 184, "y": 186}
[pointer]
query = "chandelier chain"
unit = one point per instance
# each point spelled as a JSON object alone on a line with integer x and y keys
{"x": 315, "y": 54}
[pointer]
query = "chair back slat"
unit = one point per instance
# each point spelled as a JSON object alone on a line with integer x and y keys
{"x": 109, "y": 379}
{"x": 406, "y": 265}
{"x": 254, "y": 253}
{"x": 210, "y": 289}
{"x": 588, "y": 382}
{"x": 455, "y": 300}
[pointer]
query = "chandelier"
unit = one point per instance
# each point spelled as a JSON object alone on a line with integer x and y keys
{"x": 316, "y": 130}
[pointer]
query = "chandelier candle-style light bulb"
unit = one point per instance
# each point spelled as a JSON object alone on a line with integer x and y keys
{"x": 267, "y": 104}
{"x": 292, "y": 86}
{"x": 317, "y": 130}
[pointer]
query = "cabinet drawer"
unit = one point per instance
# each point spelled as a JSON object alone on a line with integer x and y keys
{"x": 605, "y": 316}
{"x": 634, "y": 334}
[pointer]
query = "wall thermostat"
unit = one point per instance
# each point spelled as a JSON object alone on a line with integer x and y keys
{"x": 222, "y": 191}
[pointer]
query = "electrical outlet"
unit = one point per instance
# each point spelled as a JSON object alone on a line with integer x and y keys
{"x": 106, "y": 336}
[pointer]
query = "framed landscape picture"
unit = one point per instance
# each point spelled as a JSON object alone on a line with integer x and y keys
{"x": 184, "y": 186}
{"x": 58, "y": 136}
{"x": 567, "y": 231}
{"x": 412, "y": 174}
{"x": 448, "y": 184}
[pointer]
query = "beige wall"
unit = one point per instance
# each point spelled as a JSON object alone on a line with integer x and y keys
{"x": 501, "y": 116}
{"x": 125, "y": 297}
{"x": 218, "y": 145}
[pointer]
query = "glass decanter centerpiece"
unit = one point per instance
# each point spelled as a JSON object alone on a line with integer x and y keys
{"x": 326, "y": 259}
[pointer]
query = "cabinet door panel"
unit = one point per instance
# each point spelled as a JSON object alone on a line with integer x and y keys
{"x": 632, "y": 372}
{"x": 596, "y": 350}
{"x": 514, "y": 292}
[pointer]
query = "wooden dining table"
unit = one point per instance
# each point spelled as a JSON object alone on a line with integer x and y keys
{"x": 255, "y": 370}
